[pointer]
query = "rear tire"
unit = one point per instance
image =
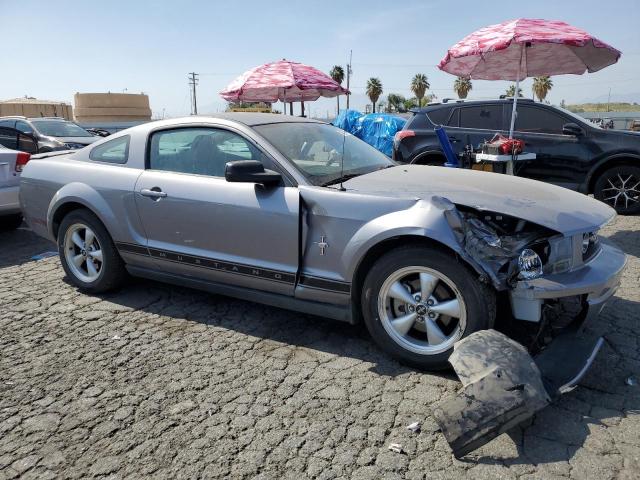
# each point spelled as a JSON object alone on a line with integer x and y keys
{"x": 10, "y": 222}
{"x": 432, "y": 160}
{"x": 619, "y": 187}
{"x": 87, "y": 253}
{"x": 457, "y": 305}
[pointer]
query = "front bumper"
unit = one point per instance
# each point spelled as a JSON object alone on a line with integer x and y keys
{"x": 598, "y": 280}
{"x": 9, "y": 203}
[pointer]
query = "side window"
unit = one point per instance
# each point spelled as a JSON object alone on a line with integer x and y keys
{"x": 24, "y": 127}
{"x": 485, "y": 117}
{"x": 439, "y": 116}
{"x": 8, "y": 123}
{"x": 113, "y": 151}
{"x": 9, "y": 138}
{"x": 200, "y": 150}
{"x": 538, "y": 120}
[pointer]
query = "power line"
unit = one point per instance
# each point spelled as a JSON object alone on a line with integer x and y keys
{"x": 193, "y": 81}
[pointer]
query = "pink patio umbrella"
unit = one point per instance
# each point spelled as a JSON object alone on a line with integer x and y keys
{"x": 522, "y": 48}
{"x": 283, "y": 81}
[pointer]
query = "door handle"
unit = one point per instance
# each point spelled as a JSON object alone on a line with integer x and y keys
{"x": 154, "y": 193}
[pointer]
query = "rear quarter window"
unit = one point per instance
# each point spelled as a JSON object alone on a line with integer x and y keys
{"x": 113, "y": 151}
{"x": 439, "y": 116}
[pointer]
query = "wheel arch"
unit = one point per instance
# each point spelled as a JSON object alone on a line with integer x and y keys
{"x": 375, "y": 251}
{"x": 76, "y": 196}
{"x": 610, "y": 162}
{"x": 422, "y": 157}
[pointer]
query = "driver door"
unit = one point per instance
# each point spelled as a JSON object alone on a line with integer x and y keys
{"x": 199, "y": 225}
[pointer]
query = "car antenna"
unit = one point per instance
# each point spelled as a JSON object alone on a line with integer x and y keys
{"x": 344, "y": 137}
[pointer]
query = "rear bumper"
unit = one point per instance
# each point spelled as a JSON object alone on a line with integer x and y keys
{"x": 9, "y": 201}
{"x": 598, "y": 280}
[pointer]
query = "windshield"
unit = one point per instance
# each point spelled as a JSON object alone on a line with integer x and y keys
{"x": 59, "y": 128}
{"x": 316, "y": 149}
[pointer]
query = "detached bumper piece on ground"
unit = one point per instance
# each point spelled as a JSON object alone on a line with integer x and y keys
{"x": 503, "y": 385}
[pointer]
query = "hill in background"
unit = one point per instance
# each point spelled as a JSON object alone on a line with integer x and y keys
{"x": 604, "y": 107}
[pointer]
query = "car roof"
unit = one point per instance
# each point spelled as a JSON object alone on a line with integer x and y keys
{"x": 253, "y": 118}
{"x": 449, "y": 103}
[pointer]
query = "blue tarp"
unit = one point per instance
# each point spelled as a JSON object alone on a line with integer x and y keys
{"x": 348, "y": 120}
{"x": 377, "y": 129}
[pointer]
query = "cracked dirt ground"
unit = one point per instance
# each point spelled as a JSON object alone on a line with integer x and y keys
{"x": 157, "y": 381}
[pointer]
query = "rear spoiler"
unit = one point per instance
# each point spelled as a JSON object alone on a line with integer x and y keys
{"x": 56, "y": 153}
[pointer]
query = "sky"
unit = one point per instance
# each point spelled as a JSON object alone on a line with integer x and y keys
{"x": 150, "y": 47}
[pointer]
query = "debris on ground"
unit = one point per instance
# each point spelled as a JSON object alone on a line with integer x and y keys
{"x": 631, "y": 381}
{"x": 116, "y": 337}
{"x": 414, "y": 427}
{"x": 43, "y": 255}
{"x": 396, "y": 447}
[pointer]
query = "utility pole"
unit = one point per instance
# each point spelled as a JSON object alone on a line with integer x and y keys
{"x": 349, "y": 71}
{"x": 193, "y": 81}
{"x": 609, "y": 101}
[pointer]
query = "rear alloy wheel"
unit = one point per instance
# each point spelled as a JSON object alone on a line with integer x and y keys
{"x": 619, "y": 187}
{"x": 88, "y": 254}
{"x": 417, "y": 302}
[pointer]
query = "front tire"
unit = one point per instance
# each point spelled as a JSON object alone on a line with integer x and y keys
{"x": 619, "y": 187}
{"x": 418, "y": 301}
{"x": 87, "y": 253}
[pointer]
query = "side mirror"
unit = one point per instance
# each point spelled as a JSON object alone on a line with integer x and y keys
{"x": 250, "y": 171}
{"x": 572, "y": 129}
{"x": 27, "y": 143}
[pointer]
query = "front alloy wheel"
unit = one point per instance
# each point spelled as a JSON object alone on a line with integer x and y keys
{"x": 422, "y": 310}
{"x": 417, "y": 301}
{"x": 619, "y": 187}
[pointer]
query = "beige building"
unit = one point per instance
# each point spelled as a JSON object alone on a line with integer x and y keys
{"x": 32, "y": 107}
{"x": 103, "y": 108}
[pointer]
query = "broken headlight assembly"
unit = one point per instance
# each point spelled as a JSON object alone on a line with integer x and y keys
{"x": 507, "y": 248}
{"x": 529, "y": 265}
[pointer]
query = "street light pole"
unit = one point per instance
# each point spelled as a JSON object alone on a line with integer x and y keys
{"x": 349, "y": 76}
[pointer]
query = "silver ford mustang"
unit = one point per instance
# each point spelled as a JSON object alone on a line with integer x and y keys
{"x": 298, "y": 214}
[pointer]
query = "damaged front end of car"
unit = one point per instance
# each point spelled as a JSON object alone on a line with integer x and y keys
{"x": 552, "y": 286}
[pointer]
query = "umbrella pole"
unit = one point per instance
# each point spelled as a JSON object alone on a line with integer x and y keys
{"x": 515, "y": 95}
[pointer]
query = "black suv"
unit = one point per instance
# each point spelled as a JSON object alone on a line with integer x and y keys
{"x": 570, "y": 151}
{"x": 52, "y": 133}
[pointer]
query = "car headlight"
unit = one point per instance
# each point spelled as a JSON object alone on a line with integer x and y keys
{"x": 529, "y": 264}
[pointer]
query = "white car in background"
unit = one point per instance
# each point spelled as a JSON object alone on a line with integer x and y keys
{"x": 11, "y": 165}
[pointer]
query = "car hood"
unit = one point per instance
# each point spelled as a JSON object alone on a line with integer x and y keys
{"x": 82, "y": 140}
{"x": 547, "y": 205}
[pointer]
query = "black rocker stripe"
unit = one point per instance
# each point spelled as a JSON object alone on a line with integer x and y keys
{"x": 132, "y": 248}
{"x": 236, "y": 268}
{"x": 213, "y": 264}
{"x": 325, "y": 284}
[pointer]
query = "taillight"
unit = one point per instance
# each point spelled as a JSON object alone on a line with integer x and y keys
{"x": 404, "y": 134}
{"x": 21, "y": 160}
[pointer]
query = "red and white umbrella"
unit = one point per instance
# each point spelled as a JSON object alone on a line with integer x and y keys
{"x": 522, "y": 48}
{"x": 283, "y": 81}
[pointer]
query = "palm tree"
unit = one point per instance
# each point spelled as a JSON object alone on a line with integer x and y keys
{"x": 419, "y": 86}
{"x": 511, "y": 91}
{"x": 462, "y": 86}
{"x": 374, "y": 90}
{"x": 396, "y": 102}
{"x": 337, "y": 73}
{"x": 541, "y": 86}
